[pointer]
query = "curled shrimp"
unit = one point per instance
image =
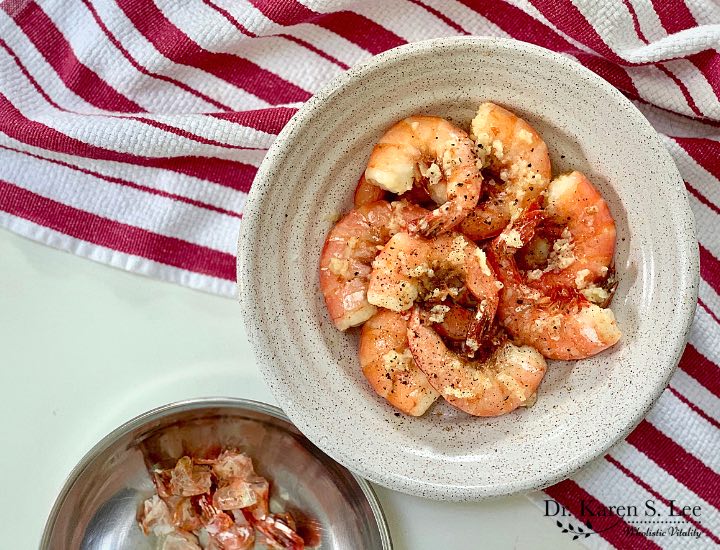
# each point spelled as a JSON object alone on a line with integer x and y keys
{"x": 428, "y": 148}
{"x": 582, "y": 255}
{"x": 499, "y": 383}
{"x": 411, "y": 268}
{"x": 560, "y": 322}
{"x": 349, "y": 250}
{"x": 389, "y": 366}
{"x": 517, "y": 157}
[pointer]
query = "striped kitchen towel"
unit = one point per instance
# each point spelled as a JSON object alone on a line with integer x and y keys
{"x": 131, "y": 130}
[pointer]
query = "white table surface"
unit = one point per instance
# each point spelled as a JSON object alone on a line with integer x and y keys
{"x": 85, "y": 347}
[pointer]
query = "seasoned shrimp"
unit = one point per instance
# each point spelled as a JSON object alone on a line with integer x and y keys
{"x": 432, "y": 149}
{"x": 409, "y": 268}
{"x": 517, "y": 157}
{"x": 389, "y": 367}
{"x": 507, "y": 379}
{"x": 583, "y": 254}
{"x": 350, "y": 248}
{"x": 559, "y": 322}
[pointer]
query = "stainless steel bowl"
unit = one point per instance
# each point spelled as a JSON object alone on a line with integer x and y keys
{"x": 97, "y": 508}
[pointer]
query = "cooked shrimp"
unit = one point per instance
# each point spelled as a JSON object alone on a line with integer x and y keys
{"x": 389, "y": 366}
{"x": 507, "y": 379}
{"x": 410, "y": 268}
{"x": 583, "y": 254}
{"x": 350, "y": 248}
{"x": 432, "y": 149}
{"x": 559, "y": 322}
{"x": 515, "y": 154}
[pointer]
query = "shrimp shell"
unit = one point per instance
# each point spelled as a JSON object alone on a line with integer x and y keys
{"x": 389, "y": 367}
{"x": 431, "y": 148}
{"x": 517, "y": 156}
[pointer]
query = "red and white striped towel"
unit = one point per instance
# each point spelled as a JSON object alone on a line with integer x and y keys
{"x": 130, "y": 132}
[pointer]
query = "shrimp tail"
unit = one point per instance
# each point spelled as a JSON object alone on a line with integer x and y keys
{"x": 503, "y": 260}
{"x": 449, "y": 215}
{"x": 478, "y": 329}
{"x": 528, "y": 223}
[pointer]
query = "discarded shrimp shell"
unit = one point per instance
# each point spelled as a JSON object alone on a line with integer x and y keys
{"x": 349, "y": 249}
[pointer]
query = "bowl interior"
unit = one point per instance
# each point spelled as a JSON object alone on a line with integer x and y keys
{"x": 99, "y": 506}
{"x": 583, "y": 407}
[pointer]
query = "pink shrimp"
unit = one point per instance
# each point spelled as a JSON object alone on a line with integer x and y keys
{"x": 517, "y": 157}
{"x": 412, "y": 268}
{"x": 349, "y": 250}
{"x": 560, "y": 322}
{"x": 389, "y": 367}
{"x": 582, "y": 255}
{"x": 365, "y": 193}
{"x": 506, "y": 378}
{"x": 432, "y": 149}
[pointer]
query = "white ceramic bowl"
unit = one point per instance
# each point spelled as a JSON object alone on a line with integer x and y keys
{"x": 583, "y": 407}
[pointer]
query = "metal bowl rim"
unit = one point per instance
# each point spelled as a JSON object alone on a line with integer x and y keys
{"x": 188, "y": 405}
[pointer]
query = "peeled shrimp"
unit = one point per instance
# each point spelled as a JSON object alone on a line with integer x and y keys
{"x": 517, "y": 157}
{"x": 350, "y": 248}
{"x": 430, "y": 148}
{"x": 389, "y": 366}
{"x": 583, "y": 254}
{"x": 409, "y": 268}
{"x": 506, "y": 380}
{"x": 559, "y": 322}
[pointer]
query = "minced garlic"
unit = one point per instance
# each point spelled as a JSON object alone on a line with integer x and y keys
{"x": 394, "y": 361}
{"x": 420, "y": 270}
{"x": 581, "y": 279}
{"x": 457, "y": 252}
{"x": 432, "y": 173}
{"x": 534, "y": 274}
{"x": 339, "y": 267}
{"x": 437, "y": 313}
{"x": 512, "y": 238}
{"x": 562, "y": 254}
{"x": 595, "y": 294}
{"x": 480, "y": 253}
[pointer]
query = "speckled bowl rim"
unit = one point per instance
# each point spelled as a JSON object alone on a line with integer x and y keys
{"x": 191, "y": 405}
{"x": 687, "y": 250}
